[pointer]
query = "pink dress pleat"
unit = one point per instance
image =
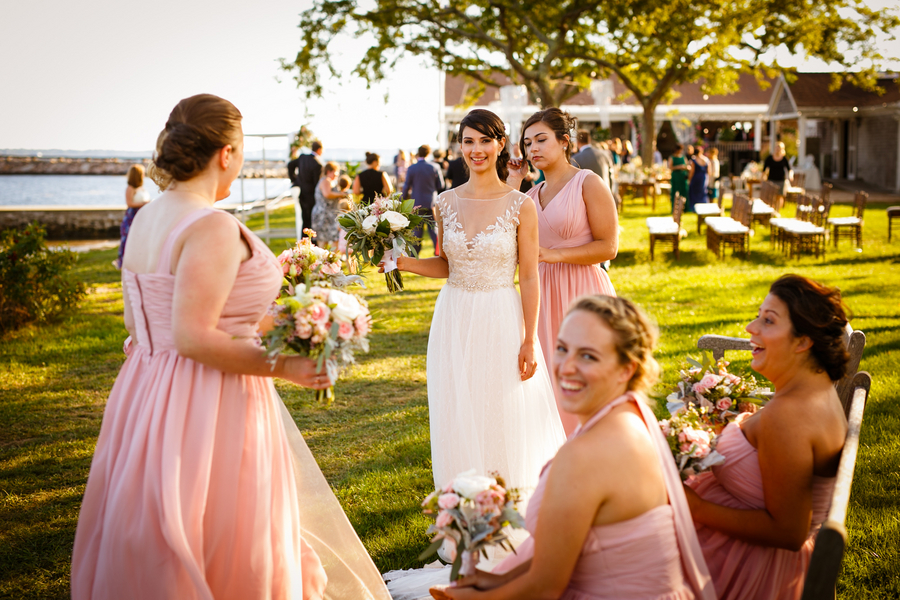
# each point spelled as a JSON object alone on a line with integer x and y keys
{"x": 564, "y": 224}
{"x": 742, "y": 570}
{"x": 192, "y": 492}
{"x": 654, "y": 556}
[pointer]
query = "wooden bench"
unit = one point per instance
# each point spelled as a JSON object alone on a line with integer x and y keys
{"x": 831, "y": 540}
{"x": 734, "y": 231}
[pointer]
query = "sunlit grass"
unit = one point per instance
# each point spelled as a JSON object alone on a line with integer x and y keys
{"x": 373, "y": 443}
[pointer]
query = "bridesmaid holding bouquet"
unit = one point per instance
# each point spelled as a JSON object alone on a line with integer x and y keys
{"x": 577, "y": 223}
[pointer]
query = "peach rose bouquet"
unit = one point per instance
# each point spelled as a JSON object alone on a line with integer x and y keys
{"x": 471, "y": 513}
{"x": 324, "y": 323}
{"x": 692, "y": 441}
{"x": 306, "y": 263}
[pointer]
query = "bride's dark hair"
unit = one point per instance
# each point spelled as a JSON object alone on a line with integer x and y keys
{"x": 489, "y": 124}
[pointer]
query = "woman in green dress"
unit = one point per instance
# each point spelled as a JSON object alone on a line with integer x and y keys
{"x": 679, "y": 166}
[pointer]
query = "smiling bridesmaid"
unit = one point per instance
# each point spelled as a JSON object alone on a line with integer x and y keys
{"x": 577, "y": 223}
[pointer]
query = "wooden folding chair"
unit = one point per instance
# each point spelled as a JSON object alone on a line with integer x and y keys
{"x": 850, "y": 227}
{"x": 667, "y": 229}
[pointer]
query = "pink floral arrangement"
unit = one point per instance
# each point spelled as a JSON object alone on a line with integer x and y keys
{"x": 706, "y": 384}
{"x": 692, "y": 441}
{"x": 470, "y": 514}
{"x": 323, "y": 323}
{"x": 307, "y": 263}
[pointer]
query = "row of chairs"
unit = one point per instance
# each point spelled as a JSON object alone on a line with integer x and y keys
{"x": 731, "y": 232}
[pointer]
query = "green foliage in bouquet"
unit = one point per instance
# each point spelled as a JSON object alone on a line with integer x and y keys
{"x": 35, "y": 283}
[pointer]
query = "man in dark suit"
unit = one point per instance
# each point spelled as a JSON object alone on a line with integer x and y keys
{"x": 457, "y": 172}
{"x": 424, "y": 180}
{"x": 305, "y": 172}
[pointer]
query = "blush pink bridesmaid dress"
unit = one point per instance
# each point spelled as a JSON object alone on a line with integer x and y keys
{"x": 742, "y": 570}
{"x": 654, "y": 556}
{"x": 193, "y": 491}
{"x": 563, "y": 223}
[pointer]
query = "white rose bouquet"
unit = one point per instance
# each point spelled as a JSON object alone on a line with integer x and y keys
{"x": 323, "y": 323}
{"x": 383, "y": 230}
{"x": 471, "y": 513}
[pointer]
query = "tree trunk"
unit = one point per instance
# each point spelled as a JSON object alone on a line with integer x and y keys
{"x": 648, "y": 141}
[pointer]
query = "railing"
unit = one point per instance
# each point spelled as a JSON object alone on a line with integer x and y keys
{"x": 266, "y": 232}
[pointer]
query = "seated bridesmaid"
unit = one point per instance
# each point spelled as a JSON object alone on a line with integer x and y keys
{"x": 616, "y": 527}
{"x": 757, "y": 514}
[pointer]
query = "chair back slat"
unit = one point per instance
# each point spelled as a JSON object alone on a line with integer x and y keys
{"x": 859, "y": 204}
{"x": 678, "y": 209}
{"x": 799, "y": 180}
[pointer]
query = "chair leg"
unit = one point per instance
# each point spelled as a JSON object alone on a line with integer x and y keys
{"x": 651, "y": 246}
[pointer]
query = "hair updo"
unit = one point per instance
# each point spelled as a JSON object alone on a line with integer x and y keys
{"x": 560, "y": 123}
{"x": 372, "y": 158}
{"x": 817, "y": 312}
{"x": 635, "y": 335}
{"x": 197, "y": 128}
{"x": 489, "y": 124}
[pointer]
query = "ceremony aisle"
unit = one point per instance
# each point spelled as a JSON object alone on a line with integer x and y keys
{"x": 372, "y": 443}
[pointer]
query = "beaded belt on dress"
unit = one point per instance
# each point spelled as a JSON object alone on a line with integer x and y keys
{"x": 479, "y": 286}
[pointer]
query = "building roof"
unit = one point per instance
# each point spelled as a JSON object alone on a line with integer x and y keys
{"x": 811, "y": 90}
{"x": 750, "y": 92}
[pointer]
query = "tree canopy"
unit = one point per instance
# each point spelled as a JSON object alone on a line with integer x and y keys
{"x": 555, "y": 48}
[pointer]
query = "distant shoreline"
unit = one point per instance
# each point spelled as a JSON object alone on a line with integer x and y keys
{"x": 33, "y": 165}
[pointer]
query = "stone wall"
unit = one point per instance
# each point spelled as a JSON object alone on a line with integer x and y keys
{"x": 32, "y": 165}
{"x": 877, "y": 148}
{"x": 67, "y": 223}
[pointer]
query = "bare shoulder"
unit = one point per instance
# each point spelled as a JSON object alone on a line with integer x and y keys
{"x": 214, "y": 229}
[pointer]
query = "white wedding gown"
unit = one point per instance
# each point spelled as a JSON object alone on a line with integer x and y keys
{"x": 483, "y": 416}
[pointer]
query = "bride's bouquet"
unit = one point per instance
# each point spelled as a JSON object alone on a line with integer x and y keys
{"x": 327, "y": 324}
{"x": 307, "y": 263}
{"x": 383, "y": 230}
{"x": 692, "y": 441}
{"x": 471, "y": 513}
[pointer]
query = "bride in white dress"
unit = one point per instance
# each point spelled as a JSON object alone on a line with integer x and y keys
{"x": 490, "y": 400}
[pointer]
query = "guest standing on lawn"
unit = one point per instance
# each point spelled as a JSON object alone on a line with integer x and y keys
{"x": 758, "y": 513}
{"x": 577, "y": 223}
{"x": 679, "y": 167}
{"x": 424, "y": 181}
{"x": 777, "y": 168}
{"x": 373, "y": 181}
{"x": 135, "y": 197}
{"x": 699, "y": 179}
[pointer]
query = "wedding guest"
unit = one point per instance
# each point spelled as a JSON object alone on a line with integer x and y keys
{"x": 577, "y": 223}
{"x": 657, "y": 156}
{"x": 328, "y": 207}
{"x": 192, "y": 492}
{"x": 373, "y": 181}
{"x": 424, "y": 181}
{"x": 758, "y": 513}
{"x": 617, "y": 528}
{"x": 490, "y": 401}
{"x": 715, "y": 171}
{"x": 587, "y": 156}
{"x": 680, "y": 170}
{"x": 777, "y": 168}
{"x": 618, "y": 152}
{"x": 401, "y": 164}
{"x": 135, "y": 197}
{"x": 307, "y": 174}
{"x": 457, "y": 173}
{"x": 629, "y": 152}
{"x": 698, "y": 176}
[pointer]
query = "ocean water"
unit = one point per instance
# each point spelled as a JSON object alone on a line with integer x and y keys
{"x": 105, "y": 190}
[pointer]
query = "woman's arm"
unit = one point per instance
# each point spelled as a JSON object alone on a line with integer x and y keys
{"x": 386, "y": 187}
{"x": 529, "y": 285}
{"x": 786, "y": 463}
{"x": 436, "y": 267}
{"x": 357, "y": 188}
{"x": 327, "y": 191}
{"x": 604, "y": 222}
{"x": 203, "y": 282}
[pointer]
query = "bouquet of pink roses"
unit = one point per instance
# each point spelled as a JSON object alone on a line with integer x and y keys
{"x": 471, "y": 512}
{"x": 384, "y": 230}
{"x": 692, "y": 441}
{"x": 327, "y": 324}
{"x": 307, "y": 263}
{"x": 709, "y": 386}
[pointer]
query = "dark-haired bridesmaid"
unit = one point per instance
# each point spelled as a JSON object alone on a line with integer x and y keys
{"x": 577, "y": 223}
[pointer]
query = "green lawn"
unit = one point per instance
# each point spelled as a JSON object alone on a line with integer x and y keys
{"x": 373, "y": 445}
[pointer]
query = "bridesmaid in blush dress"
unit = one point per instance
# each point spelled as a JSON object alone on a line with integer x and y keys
{"x": 200, "y": 479}
{"x": 577, "y": 224}
{"x": 757, "y": 514}
{"x": 618, "y": 528}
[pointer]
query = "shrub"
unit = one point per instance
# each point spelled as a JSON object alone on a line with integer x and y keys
{"x": 36, "y": 284}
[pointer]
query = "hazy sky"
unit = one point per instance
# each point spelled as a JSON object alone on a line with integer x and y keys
{"x": 104, "y": 74}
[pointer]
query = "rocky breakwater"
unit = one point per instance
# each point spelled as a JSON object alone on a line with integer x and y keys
{"x": 33, "y": 165}
{"x": 67, "y": 222}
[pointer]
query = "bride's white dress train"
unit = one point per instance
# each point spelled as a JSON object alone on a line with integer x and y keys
{"x": 482, "y": 415}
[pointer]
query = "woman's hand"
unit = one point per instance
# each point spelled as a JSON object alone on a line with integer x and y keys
{"x": 302, "y": 371}
{"x": 518, "y": 171}
{"x": 549, "y": 255}
{"x": 399, "y": 262}
{"x": 527, "y": 363}
{"x": 453, "y": 592}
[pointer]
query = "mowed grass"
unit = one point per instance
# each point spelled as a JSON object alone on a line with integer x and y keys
{"x": 373, "y": 442}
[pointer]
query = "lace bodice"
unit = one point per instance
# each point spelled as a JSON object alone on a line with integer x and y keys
{"x": 480, "y": 240}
